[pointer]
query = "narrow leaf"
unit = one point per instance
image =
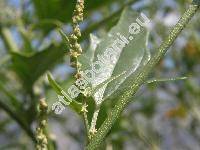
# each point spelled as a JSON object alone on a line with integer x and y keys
{"x": 165, "y": 80}
{"x": 64, "y": 37}
{"x": 72, "y": 103}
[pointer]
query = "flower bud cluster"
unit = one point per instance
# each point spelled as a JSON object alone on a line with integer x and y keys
{"x": 75, "y": 48}
{"x": 41, "y": 137}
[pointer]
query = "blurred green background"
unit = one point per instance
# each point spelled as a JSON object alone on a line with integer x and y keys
{"x": 165, "y": 115}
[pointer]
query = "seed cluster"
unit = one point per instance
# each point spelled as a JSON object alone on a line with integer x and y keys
{"x": 41, "y": 137}
{"x": 75, "y": 48}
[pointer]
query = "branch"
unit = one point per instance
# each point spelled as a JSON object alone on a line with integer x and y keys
{"x": 141, "y": 77}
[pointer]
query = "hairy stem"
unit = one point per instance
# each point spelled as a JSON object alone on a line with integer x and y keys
{"x": 93, "y": 130}
{"x": 86, "y": 123}
{"x": 141, "y": 77}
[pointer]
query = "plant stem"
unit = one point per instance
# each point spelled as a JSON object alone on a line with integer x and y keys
{"x": 141, "y": 78}
{"x": 86, "y": 123}
{"x": 92, "y": 130}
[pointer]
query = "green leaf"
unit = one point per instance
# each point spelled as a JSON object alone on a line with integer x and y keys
{"x": 58, "y": 89}
{"x": 104, "y": 83}
{"x": 64, "y": 37}
{"x": 61, "y": 10}
{"x": 87, "y": 58}
{"x": 30, "y": 67}
{"x": 128, "y": 58}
